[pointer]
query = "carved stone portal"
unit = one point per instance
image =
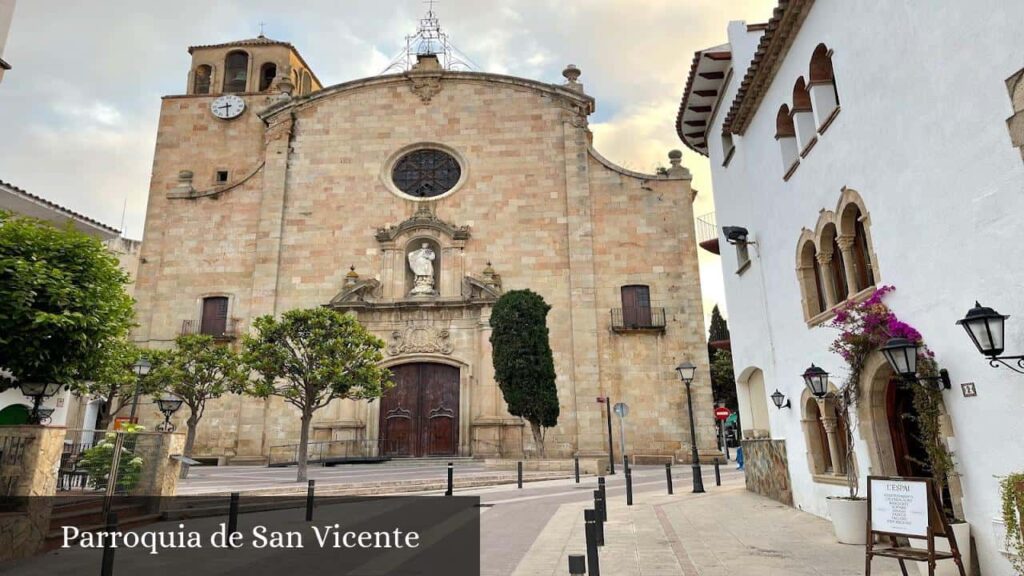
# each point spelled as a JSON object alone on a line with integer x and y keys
{"x": 419, "y": 339}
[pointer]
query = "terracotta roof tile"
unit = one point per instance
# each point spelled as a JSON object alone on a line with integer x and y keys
{"x": 59, "y": 208}
{"x": 779, "y": 33}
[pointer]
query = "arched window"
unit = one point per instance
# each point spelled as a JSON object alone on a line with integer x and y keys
{"x": 307, "y": 83}
{"x": 809, "y": 277}
{"x": 201, "y": 79}
{"x": 785, "y": 133}
{"x": 860, "y": 273}
{"x": 236, "y": 72}
{"x": 803, "y": 116}
{"x": 822, "y": 87}
{"x": 267, "y": 74}
{"x": 753, "y": 404}
{"x": 862, "y": 255}
{"x": 819, "y": 455}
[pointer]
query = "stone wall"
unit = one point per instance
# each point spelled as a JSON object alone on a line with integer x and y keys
{"x": 28, "y": 466}
{"x": 767, "y": 469}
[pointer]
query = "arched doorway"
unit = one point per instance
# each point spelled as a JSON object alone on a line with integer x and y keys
{"x": 911, "y": 457}
{"x": 753, "y": 404}
{"x": 14, "y": 415}
{"x": 420, "y": 415}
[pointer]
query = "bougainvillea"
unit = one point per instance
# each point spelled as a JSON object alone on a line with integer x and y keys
{"x": 863, "y": 328}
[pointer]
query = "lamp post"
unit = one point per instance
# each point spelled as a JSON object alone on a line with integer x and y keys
{"x": 141, "y": 368}
{"x": 168, "y": 405}
{"x": 686, "y": 372}
{"x": 987, "y": 329}
{"x": 38, "y": 391}
{"x": 901, "y": 354}
{"x": 611, "y": 455}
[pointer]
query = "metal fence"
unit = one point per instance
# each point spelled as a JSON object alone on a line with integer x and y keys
{"x": 12, "y": 459}
{"x": 638, "y": 318}
{"x": 113, "y": 462}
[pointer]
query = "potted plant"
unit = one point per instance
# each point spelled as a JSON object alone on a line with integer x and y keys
{"x": 1012, "y": 490}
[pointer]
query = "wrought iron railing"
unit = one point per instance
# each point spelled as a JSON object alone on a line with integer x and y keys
{"x": 12, "y": 456}
{"x": 707, "y": 232}
{"x": 638, "y": 318}
{"x": 336, "y": 452}
{"x": 230, "y": 331}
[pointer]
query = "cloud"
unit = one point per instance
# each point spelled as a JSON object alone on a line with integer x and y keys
{"x": 80, "y": 107}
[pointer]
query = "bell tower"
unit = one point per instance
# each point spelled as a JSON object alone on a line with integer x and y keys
{"x": 254, "y": 66}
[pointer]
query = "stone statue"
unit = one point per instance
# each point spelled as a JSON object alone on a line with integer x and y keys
{"x": 422, "y": 264}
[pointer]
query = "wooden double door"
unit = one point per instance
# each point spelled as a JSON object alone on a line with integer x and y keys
{"x": 419, "y": 416}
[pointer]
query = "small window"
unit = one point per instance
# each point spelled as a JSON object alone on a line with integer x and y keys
{"x": 201, "y": 79}
{"x": 215, "y": 316}
{"x": 727, "y": 148}
{"x": 236, "y": 72}
{"x": 222, "y": 176}
{"x": 742, "y": 257}
{"x": 267, "y": 74}
{"x": 307, "y": 83}
{"x": 636, "y": 306}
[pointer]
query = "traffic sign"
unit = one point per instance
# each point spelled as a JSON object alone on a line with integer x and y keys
{"x": 721, "y": 413}
{"x": 621, "y": 410}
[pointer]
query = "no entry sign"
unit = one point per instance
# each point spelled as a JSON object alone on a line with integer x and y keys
{"x": 721, "y": 413}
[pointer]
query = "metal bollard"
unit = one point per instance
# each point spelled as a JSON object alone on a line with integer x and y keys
{"x": 668, "y": 477}
{"x": 309, "y": 500}
{"x": 107, "y": 566}
{"x": 233, "y": 514}
{"x": 577, "y": 565}
{"x": 629, "y": 481}
{"x": 590, "y": 529}
{"x": 604, "y": 498}
{"x": 519, "y": 474}
{"x": 577, "y": 460}
{"x": 718, "y": 474}
{"x": 451, "y": 480}
{"x": 599, "y": 506}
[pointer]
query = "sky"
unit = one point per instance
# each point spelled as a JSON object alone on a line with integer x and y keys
{"x": 79, "y": 111}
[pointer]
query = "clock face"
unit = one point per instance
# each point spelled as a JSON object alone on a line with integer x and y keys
{"x": 227, "y": 107}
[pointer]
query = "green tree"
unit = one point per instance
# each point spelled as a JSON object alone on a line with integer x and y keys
{"x": 523, "y": 365}
{"x": 196, "y": 370}
{"x": 63, "y": 302}
{"x": 723, "y": 381}
{"x": 114, "y": 380}
{"x": 312, "y": 357}
{"x": 719, "y": 330}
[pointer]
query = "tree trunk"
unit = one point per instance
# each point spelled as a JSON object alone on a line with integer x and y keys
{"x": 538, "y": 437}
{"x": 303, "y": 447}
{"x": 190, "y": 441}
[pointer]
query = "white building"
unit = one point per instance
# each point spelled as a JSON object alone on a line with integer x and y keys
{"x": 6, "y": 14}
{"x": 863, "y": 144}
{"x": 68, "y": 410}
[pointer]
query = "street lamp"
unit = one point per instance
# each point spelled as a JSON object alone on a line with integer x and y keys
{"x": 168, "y": 405}
{"x": 141, "y": 368}
{"x": 778, "y": 398}
{"x": 37, "y": 391}
{"x": 901, "y": 354}
{"x": 986, "y": 328}
{"x": 816, "y": 381}
{"x": 686, "y": 372}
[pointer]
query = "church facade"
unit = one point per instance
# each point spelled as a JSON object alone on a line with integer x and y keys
{"x": 413, "y": 201}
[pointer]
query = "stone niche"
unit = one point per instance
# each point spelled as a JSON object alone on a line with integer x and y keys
{"x": 449, "y": 326}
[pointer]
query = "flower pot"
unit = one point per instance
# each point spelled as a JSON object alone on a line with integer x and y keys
{"x": 849, "y": 519}
{"x": 962, "y": 531}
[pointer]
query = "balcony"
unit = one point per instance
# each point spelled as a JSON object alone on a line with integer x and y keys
{"x": 638, "y": 319}
{"x": 223, "y": 332}
{"x": 707, "y": 233}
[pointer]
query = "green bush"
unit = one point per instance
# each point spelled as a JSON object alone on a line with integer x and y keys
{"x": 96, "y": 462}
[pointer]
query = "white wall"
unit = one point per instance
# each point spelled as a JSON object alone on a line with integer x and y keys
{"x": 60, "y": 403}
{"x": 922, "y": 137}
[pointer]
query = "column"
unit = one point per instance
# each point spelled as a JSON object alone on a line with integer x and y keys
{"x": 825, "y": 264}
{"x": 830, "y": 423}
{"x": 855, "y": 283}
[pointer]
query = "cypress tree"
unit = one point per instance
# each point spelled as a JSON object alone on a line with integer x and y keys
{"x": 523, "y": 365}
